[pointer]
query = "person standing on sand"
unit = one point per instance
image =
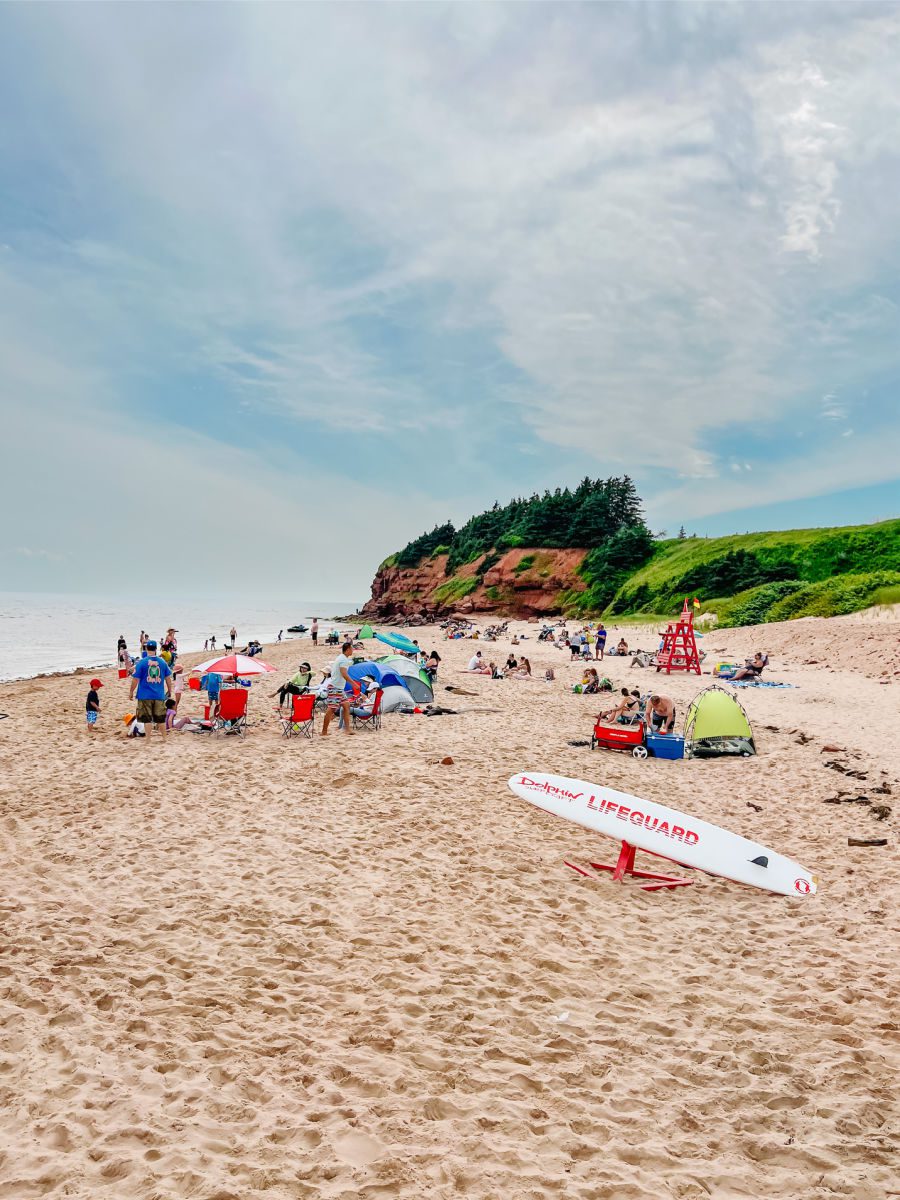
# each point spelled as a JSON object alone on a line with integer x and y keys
{"x": 153, "y": 679}
{"x": 233, "y": 635}
{"x": 212, "y": 641}
{"x": 143, "y": 640}
{"x": 600, "y": 646}
{"x": 280, "y": 635}
{"x": 314, "y": 631}
{"x": 92, "y": 705}
{"x": 336, "y": 697}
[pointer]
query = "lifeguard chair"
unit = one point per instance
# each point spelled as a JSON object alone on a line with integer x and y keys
{"x": 679, "y": 648}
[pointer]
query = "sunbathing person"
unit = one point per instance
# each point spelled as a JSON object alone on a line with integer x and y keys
{"x": 626, "y": 707}
{"x": 524, "y": 669}
{"x": 590, "y": 682}
{"x": 755, "y": 666}
{"x": 660, "y": 714}
{"x": 622, "y": 647}
{"x": 512, "y": 664}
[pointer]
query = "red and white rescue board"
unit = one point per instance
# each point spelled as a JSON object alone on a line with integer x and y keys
{"x": 664, "y": 831}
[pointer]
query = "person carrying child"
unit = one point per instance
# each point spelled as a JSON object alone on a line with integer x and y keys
{"x": 92, "y": 705}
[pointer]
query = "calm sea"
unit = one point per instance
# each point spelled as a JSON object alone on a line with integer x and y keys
{"x": 42, "y": 632}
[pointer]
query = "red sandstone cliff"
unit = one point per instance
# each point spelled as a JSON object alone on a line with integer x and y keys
{"x": 523, "y": 582}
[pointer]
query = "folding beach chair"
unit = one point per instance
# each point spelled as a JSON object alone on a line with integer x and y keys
{"x": 301, "y": 721}
{"x": 231, "y": 712}
{"x": 371, "y": 719}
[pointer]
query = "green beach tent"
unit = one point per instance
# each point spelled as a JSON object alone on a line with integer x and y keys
{"x": 365, "y": 632}
{"x": 716, "y": 724}
{"x": 417, "y": 681}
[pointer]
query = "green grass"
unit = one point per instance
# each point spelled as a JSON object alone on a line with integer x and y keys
{"x": 525, "y": 563}
{"x": 886, "y": 595}
{"x": 807, "y": 555}
{"x": 453, "y": 589}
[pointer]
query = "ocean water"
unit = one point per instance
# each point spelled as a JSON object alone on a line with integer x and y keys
{"x": 42, "y": 631}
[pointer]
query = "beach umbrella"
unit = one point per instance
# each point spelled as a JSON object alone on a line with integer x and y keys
{"x": 234, "y": 664}
{"x": 398, "y": 641}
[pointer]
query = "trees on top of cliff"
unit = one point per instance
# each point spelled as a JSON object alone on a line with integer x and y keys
{"x": 425, "y": 546}
{"x": 589, "y": 517}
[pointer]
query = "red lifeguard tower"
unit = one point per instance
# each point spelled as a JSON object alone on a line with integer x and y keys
{"x": 679, "y": 648}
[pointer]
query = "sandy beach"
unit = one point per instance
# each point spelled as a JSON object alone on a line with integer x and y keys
{"x": 342, "y": 969}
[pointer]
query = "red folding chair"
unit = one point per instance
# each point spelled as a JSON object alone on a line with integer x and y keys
{"x": 372, "y": 719}
{"x": 301, "y": 721}
{"x": 231, "y": 712}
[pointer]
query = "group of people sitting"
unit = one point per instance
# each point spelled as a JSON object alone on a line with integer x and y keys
{"x": 514, "y": 669}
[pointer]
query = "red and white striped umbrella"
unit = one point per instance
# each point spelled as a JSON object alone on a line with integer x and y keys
{"x": 234, "y": 664}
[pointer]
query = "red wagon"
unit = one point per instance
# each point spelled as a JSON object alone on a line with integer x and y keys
{"x": 620, "y": 737}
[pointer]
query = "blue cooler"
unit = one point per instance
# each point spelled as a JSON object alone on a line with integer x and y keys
{"x": 665, "y": 745}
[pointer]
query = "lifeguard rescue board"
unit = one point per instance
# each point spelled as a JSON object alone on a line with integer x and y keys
{"x": 664, "y": 831}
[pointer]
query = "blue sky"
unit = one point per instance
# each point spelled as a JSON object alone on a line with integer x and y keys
{"x": 304, "y": 280}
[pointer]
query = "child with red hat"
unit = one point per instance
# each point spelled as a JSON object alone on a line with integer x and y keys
{"x": 92, "y": 705}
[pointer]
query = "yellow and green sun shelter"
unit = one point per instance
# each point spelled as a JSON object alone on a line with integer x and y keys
{"x": 716, "y": 725}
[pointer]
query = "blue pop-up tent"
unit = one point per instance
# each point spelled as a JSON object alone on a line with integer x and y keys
{"x": 383, "y": 674}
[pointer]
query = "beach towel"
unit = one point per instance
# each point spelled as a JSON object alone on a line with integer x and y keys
{"x": 759, "y": 683}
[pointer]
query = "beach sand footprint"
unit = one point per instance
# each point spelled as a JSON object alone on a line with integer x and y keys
{"x": 358, "y": 1148}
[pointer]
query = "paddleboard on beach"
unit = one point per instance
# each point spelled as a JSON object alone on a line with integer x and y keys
{"x": 664, "y": 831}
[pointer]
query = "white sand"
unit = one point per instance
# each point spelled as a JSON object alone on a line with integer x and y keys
{"x": 334, "y": 969}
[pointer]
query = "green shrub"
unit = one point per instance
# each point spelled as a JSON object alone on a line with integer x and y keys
{"x": 453, "y": 589}
{"x": 886, "y": 595}
{"x": 524, "y": 564}
{"x": 835, "y": 597}
{"x": 444, "y": 548}
{"x": 753, "y": 606}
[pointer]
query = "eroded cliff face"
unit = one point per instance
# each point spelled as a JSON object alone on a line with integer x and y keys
{"x": 525, "y": 582}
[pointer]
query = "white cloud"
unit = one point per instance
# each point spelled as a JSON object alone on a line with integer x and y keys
{"x": 301, "y": 204}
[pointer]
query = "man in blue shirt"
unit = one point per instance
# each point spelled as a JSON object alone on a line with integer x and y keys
{"x": 153, "y": 679}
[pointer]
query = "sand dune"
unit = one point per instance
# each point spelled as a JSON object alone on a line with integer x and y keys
{"x": 340, "y": 969}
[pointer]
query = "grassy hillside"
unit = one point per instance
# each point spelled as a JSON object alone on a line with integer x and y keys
{"x": 754, "y": 577}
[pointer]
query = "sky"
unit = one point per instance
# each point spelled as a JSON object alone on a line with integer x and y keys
{"x": 281, "y": 286}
